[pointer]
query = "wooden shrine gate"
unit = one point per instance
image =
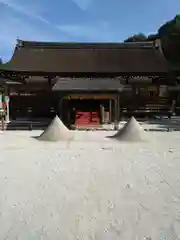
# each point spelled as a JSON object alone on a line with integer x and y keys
{"x": 91, "y": 110}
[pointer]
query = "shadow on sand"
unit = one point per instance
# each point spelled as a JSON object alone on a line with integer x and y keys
{"x": 35, "y": 137}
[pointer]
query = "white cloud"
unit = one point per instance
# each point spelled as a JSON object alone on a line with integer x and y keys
{"x": 83, "y": 4}
{"x": 13, "y": 28}
{"x": 24, "y": 28}
{"x": 29, "y": 9}
{"x": 99, "y": 31}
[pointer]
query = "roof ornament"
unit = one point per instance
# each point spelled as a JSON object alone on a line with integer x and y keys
{"x": 19, "y": 42}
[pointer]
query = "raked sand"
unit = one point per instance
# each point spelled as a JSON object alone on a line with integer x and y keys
{"x": 90, "y": 188}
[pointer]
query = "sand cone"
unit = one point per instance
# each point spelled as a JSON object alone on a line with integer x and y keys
{"x": 131, "y": 132}
{"x": 56, "y": 131}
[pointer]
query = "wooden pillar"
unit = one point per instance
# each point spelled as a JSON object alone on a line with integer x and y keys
{"x": 7, "y": 109}
{"x": 116, "y": 113}
{"x": 110, "y": 110}
{"x": 60, "y": 107}
{"x": 173, "y": 106}
{"x": 3, "y": 118}
{"x": 118, "y": 108}
{"x": 102, "y": 114}
{"x": 6, "y": 99}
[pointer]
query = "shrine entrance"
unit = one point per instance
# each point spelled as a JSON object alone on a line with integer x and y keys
{"x": 88, "y": 109}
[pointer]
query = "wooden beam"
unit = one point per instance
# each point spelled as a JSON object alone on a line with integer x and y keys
{"x": 84, "y": 74}
{"x": 90, "y": 96}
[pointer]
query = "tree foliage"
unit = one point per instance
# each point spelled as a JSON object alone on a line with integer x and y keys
{"x": 169, "y": 34}
{"x": 140, "y": 37}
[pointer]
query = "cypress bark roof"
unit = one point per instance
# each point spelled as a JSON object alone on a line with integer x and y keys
{"x": 86, "y": 58}
{"x": 84, "y": 84}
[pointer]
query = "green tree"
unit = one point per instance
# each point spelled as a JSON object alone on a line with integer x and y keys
{"x": 169, "y": 33}
{"x": 140, "y": 37}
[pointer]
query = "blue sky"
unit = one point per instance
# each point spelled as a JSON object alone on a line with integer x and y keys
{"x": 80, "y": 20}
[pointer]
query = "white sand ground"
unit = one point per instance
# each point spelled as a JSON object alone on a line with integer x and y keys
{"x": 90, "y": 188}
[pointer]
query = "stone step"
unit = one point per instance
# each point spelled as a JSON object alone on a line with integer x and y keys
{"x": 24, "y": 126}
